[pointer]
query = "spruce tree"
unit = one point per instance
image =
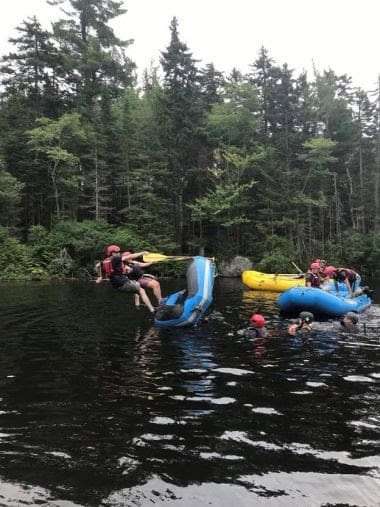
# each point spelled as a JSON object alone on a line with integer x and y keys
{"x": 183, "y": 116}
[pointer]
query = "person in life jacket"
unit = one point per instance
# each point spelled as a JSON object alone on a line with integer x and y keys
{"x": 329, "y": 273}
{"x": 104, "y": 268}
{"x": 119, "y": 279}
{"x": 322, "y": 264}
{"x": 302, "y": 325}
{"x": 312, "y": 278}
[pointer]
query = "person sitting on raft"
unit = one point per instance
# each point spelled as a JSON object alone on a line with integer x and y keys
{"x": 134, "y": 271}
{"x": 257, "y": 327}
{"x": 329, "y": 273}
{"x": 312, "y": 278}
{"x": 302, "y": 325}
{"x": 322, "y": 264}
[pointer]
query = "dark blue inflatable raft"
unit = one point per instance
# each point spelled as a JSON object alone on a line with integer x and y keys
{"x": 187, "y": 307}
{"x": 334, "y": 302}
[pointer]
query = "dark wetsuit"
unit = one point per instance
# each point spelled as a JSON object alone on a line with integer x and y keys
{"x": 252, "y": 332}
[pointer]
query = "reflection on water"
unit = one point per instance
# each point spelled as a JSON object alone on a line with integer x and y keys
{"x": 98, "y": 407}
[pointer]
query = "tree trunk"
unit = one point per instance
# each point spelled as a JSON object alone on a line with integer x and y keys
{"x": 97, "y": 186}
{"x": 53, "y": 175}
{"x": 350, "y": 197}
{"x": 180, "y": 219}
{"x": 361, "y": 175}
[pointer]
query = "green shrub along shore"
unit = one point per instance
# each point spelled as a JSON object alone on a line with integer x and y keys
{"x": 70, "y": 250}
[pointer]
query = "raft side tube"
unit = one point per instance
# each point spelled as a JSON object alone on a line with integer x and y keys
{"x": 195, "y": 300}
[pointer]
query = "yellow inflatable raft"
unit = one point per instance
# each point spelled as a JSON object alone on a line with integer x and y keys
{"x": 275, "y": 283}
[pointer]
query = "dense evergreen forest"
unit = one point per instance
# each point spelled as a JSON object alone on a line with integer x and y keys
{"x": 273, "y": 165}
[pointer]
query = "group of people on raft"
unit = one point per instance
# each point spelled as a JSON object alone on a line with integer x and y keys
{"x": 320, "y": 275}
{"x": 126, "y": 274}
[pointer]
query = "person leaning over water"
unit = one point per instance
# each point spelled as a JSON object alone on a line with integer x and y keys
{"x": 120, "y": 281}
{"x": 104, "y": 268}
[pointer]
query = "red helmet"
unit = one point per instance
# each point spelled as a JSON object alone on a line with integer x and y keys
{"x": 257, "y": 320}
{"x": 315, "y": 265}
{"x": 330, "y": 270}
{"x": 111, "y": 249}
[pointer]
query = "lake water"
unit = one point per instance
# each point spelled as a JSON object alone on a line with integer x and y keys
{"x": 97, "y": 407}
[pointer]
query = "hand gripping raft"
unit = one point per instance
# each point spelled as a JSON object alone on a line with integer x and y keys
{"x": 187, "y": 307}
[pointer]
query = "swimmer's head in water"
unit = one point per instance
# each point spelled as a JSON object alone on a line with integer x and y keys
{"x": 349, "y": 319}
{"x": 306, "y": 317}
{"x": 257, "y": 320}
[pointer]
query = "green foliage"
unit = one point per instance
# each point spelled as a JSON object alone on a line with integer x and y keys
{"x": 71, "y": 246}
{"x": 275, "y": 262}
{"x": 16, "y": 262}
{"x": 279, "y": 257}
{"x": 10, "y": 197}
{"x": 269, "y": 164}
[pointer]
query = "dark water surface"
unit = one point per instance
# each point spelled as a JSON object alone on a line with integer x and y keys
{"x": 97, "y": 407}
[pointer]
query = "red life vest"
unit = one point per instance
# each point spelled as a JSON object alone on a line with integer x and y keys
{"x": 107, "y": 269}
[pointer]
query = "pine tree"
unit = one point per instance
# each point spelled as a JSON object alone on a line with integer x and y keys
{"x": 94, "y": 57}
{"x": 183, "y": 116}
{"x": 34, "y": 69}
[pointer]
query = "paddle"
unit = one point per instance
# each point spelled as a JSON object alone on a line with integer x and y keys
{"x": 157, "y": 257}
{"x": 297, "y": 268}
{"x": 289, "y": 275}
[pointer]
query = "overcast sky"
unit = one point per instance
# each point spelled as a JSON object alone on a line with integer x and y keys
{"x": 341, "y": 34}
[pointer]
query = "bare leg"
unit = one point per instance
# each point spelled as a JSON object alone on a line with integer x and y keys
{"x": 156, "y": 287}
{"x": 146, "y": 299}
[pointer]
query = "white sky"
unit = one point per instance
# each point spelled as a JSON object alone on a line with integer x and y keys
{"x": 341, "y": 34}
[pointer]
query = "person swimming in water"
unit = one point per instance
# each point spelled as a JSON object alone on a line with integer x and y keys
{"x": 302, "y": 325}
{"x": 349, "y": 321}
{"x": 257, "y": 327}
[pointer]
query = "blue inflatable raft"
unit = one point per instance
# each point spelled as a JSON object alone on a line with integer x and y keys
{"x": 187, "y": 307}
{"x": 333, "y": 302}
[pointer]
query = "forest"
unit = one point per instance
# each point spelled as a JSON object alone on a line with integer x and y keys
{"x": 274, "y": 165}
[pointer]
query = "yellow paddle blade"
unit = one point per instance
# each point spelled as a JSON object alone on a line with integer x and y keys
{"x": 157, "y": 257}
